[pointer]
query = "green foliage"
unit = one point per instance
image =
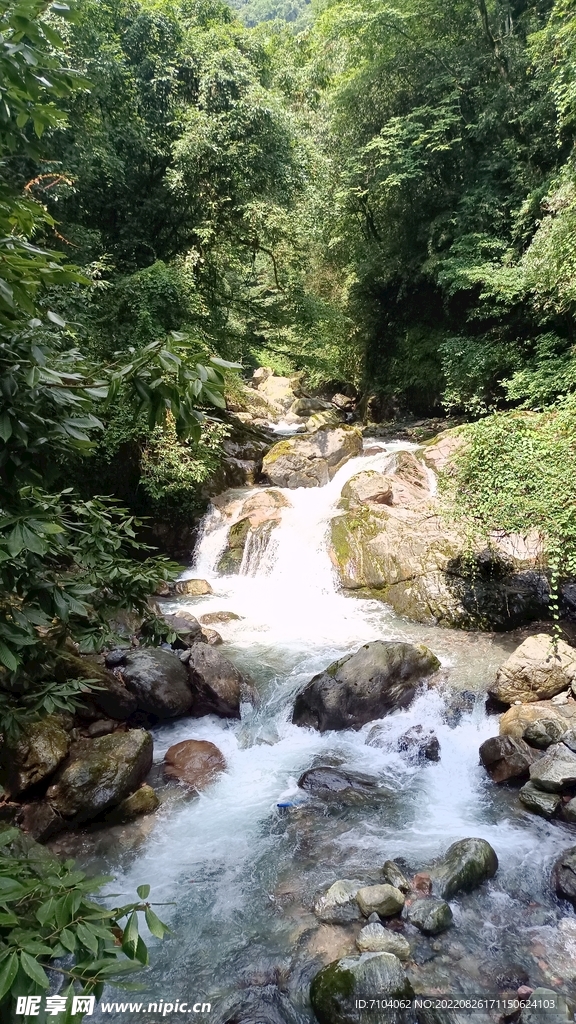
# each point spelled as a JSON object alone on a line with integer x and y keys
{"x": 173, "y": 470}
{"x": 515, "y": 474}
{"x": 297, "y": 13}
{"x": 50, "y": 923}
{"x": 449, "y": 217}
{"x": 66, "y": 563}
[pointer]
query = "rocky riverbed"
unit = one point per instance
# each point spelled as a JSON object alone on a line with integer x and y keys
{"x": 331, "y": 799}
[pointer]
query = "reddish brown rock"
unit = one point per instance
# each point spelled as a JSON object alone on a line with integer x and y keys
{"x": 422, "y": 883}
{"x": 195, "y": 762}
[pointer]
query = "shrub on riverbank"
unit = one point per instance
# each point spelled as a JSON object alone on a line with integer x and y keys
{"x": 516, "y": 474}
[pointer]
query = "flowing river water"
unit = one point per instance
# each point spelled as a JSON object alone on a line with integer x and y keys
{"x": 239, "y": 874}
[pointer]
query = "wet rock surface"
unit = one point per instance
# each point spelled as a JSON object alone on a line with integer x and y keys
{"x": 311, "y": 460}
{"x": 431, "y": 916}
{"x": 339, "y": 905}
{"x": 384, "y": 900}
{"x": 564, "y": 875}
{"x": 216, "y": 684}
{"x": 256, "y": 519}
{"x": 100, "y": 773}
{"x": 159, "y": 682}
{"x": 506, "y": 758}
{"x": 380, "y": 677}
{"x": 374, "y": 938}
{"x": 401, "y": 550}
{"x": 35, "y": 755}
{"x": 555, "y": 770}
{"x": 465, "y": 865}
{"x": 197, "y": 763}
{"x": 337, "y": 989}
{"x": 336, "y": 784}
{"x": 538, "y": 801}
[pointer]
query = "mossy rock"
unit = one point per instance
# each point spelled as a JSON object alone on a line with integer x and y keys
{"x": 101, "y": 773}
{"x": 231, "y": 559}
{"x": 35, "y": 755}
{"x": 372, "y": 977}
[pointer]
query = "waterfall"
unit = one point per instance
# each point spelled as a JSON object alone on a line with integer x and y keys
{"x": 239, "y": 879}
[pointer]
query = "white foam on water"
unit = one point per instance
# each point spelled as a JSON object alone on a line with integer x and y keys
{"x": 208, "y": 853}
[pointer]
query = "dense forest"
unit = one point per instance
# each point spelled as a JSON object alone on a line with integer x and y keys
{"x": 379, "y": 199}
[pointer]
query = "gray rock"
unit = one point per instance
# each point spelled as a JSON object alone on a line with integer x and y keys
{"x": 338, "y": 988}
{"x": 506, "y": 758}
{"x": 368, "y": 488}
{"x": 569, "y": 811}
{"x": 539, "y": 802}
{"x": 384, "y": 900}
{"x": 569, "y": 739}
{"x": 374, "y": 938}
{"x": 143, "y": 801}
{"x": 555, "y": 770}
{"x": 159, "y": 681}
{"x": 336, "y": 784}
{"x": 394, "y": 876}
{"x": 338, "y": 905}
{"x": 431, "y": 916}
{"x": 420, "y": 742}
{"x": 217, "y": 685}
{"x": 187, "y": 628}
{"x": 381, "y": 677}
{"x": 35, "y": 755}
{"x": 564, "y": 875}
{"x": 311, "y": 460}
{"x": 100, "y": 773}
{"x": 544, "y": 732}
{"x": 465, "y": 865}
{"x": 563, "y": 1012}
{"x": 101, "y": 727}
{"x": 111, "y": 697}
{"x": 40, "y": 821}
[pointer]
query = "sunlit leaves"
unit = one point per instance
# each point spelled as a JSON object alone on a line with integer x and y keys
{"x": 57, "y": 917}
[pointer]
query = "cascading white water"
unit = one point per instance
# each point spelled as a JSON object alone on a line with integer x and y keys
{"x": 242, "y": 878}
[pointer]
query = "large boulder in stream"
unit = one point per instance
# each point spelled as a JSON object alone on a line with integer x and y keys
{"x": 339, "y": 991}
{"x": 100, "y": 773}
{"x": 464, "y": 866}
{"x": 34, "y": 756}
{"x": 506, "y": 758}
{"x": 217, "y": 686}
{"x": 539, "y": 668}
{"x": 392, "y": 541}
{"x": 540, "y": 719}
{"x": 381, "y": 677}
{"x": 110, "y": 697}
{"x": 337, "y": 784}
{"x": 158, "y": 680}
{"x": 311, "y": 460}
{"x": 197, "y": 763}
{"x": 555, "y": 771}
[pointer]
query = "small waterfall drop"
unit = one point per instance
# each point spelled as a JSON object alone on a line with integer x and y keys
{"x": 239, "y": 879}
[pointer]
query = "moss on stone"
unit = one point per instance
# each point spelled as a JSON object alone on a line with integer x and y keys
{"x": 278, "y": 450}
{"x": 331, "y": 987}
